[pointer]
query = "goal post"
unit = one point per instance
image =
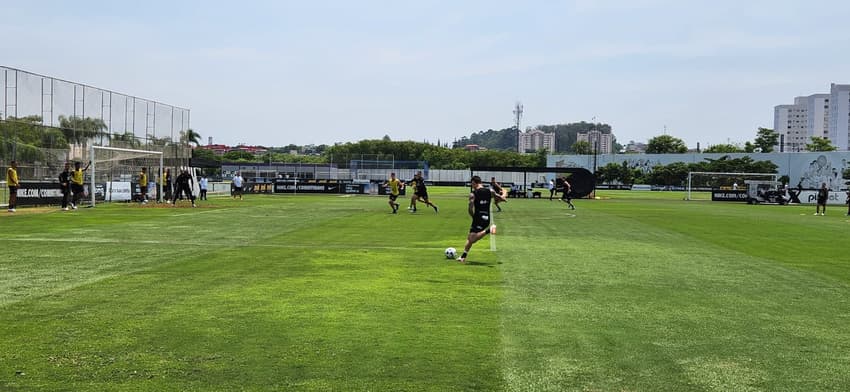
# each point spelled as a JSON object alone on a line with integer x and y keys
{"x": 730, "y": 175}
{"x": 122, "y": 163}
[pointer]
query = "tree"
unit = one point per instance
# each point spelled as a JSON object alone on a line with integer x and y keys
{"x": 126, "y": 140}
{"x": 820, "y": 144}
{"x": 239, "y": 156}
{"x": 766, "y": 139}
{"x": 581, "y": 147}
{"x": 723, "y": 148}
{"x": 609, "y": 173}
{"x": 673, "y": 174}
{"x": 666, "y": 144}
{"x": 189, "y": 136}
{"x": 80, "y": 130}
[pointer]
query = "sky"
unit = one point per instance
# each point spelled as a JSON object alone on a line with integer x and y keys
{"x": 275, "y": 73}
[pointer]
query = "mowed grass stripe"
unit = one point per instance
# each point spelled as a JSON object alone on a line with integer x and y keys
{"x": 630, "y": 302}
{"x": 245, "y": 317}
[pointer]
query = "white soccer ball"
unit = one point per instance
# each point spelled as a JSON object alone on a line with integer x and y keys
{"x": 451, "y": 253}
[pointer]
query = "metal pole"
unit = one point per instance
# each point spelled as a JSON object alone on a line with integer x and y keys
{"x": 91, "y": 161}
{"x": 16, "y": 94}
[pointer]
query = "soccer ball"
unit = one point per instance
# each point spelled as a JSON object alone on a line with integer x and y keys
{"x": 451, "y": 253}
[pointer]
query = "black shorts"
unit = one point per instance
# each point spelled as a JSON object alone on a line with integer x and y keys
{"x": 822, "y": 202}
{"x": 76, "y": 188}
{"x": 237, "y": 189}
{"x": 480, "y": 223}
{"x": 422, "y": 195}
{"x": 393, "y": 197}
{"x": 13, "y": 190}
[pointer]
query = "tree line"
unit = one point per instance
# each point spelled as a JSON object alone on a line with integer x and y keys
{"x": 676, "y": 173}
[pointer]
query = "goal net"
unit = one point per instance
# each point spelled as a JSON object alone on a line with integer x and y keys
{"x": 708, "y": 181}
{"x": 115, "y": 173}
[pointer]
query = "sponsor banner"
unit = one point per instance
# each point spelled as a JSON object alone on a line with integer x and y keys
{"x": 729, "y": 196}
{"x": 118, "y": 191}
{"x": 39, "y": 193}
{"x": 258, "y": 188}
{"x": 835, "y": 198}
{"x": 49, "y": 193}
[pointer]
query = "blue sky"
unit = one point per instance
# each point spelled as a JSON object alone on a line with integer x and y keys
{"x": 320, "y": 72}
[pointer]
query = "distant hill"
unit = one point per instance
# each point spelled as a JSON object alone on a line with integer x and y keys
{"x": 506, "y": 139}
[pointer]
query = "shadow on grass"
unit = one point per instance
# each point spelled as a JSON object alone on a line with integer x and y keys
{"x": 480, "y": 264}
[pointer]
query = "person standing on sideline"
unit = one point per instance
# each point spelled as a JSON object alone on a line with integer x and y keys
{"x": 77, "y": 180}
{"x": 823, "y": 195}
{"x": 479, "y": 209}
{"x": 848, "y": 201}
{"x": 143, "y": 185}
{"x": 13, "y": 183}
{"x": 183, "y": 185}
{"x": 65, "y": 185}
{"x": 202, "y": 184}
{"x": 551, "y": 189}
{"x": 238, "y": 183}
{"x": 395, "y": 186}
{"x": 566, "y": 196}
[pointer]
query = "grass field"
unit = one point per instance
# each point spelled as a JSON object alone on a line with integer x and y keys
{"x": 634, "y": 292}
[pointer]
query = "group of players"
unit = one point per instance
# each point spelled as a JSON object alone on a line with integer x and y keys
{"x": 71, "y": 185}
{"x": 420, "y": 192}
{"x": 182, "y": 186}
{"x": 480, "y": 200}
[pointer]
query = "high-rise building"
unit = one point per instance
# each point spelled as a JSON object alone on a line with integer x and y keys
{"x": 535, "y": 139}
{"x": 839, "y": 116}
{"x": 603, "y": 143}
{"x": 815, "y": 115}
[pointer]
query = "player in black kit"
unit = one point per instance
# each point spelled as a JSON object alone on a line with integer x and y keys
{"x": 183, "y": 183}
{"x": 479, "y": 209}
{"x": 65, "y": 185}
{"x": 420, "y": 192}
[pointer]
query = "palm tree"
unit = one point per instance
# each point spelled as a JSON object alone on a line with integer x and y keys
{"x": 190, "y": 136}
{"x": 80, "y": 130}
{"x": 126, "y": 139}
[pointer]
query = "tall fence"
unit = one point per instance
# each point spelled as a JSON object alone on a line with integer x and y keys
{"x": 56, "y": 102}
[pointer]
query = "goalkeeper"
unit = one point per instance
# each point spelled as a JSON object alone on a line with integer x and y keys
{"x": 183, "y": 183}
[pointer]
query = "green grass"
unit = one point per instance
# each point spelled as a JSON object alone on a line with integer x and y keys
{"x": 637, "y": 291}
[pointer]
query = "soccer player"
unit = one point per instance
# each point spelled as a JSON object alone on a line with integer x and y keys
{"x": 479, "y": 209}
{"x": 422, "y": 193}
{"x": 498, "y": 189}
{"x": 183, "y": 184}
{"x": 566, "y": 196}
{"x": 65, "y": 185}
{"x": 143, "y": 185}
{"x": 165, "y": 184}
{"x": 823, "y": 195}
{"x": 413, "y": 195}
{"x": 238, "y": 182}
{"x": 77, "y": 177}
{"x": 395, "y": 186}
{"x": 13, "y": 183}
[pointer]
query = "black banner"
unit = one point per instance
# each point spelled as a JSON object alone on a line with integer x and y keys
{"x": 49, "y": 193}
{"x": 729, "y": 196}
{"x": 290, "y": 186}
